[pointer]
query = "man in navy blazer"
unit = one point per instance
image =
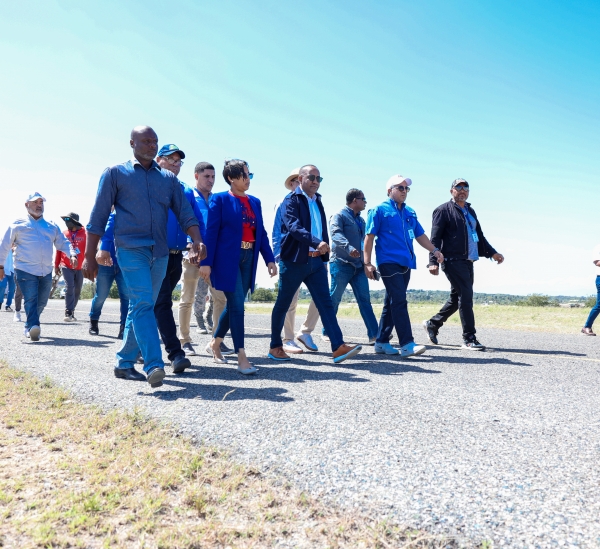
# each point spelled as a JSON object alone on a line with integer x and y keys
{"x": 304, "y": 249}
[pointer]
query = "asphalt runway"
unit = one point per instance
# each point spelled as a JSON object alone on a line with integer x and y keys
{"x": 501, "y": 445}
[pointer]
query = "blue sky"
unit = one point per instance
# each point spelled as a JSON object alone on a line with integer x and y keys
{"x": 504, "y": 94}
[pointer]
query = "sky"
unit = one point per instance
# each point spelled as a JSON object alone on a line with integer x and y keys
{"x": 504, "y": 94}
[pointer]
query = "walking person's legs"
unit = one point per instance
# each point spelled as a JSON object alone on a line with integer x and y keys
{"x": 289, "y": 326}
{"x": 10, "y": 280}
{"x": 18, "y": 300}
{"x": 104, "y": 280}
{"x": 360, "y": 286}
{"x": 341, "y": 274}
{"x": 219, "y": 302}
{"x": 123, "y": 300}
{"x": 36, "y": 291}
{"x": 191, "y": 276}
{"x": 589, "y": 323}
{"x": 78, "y": 282}
{"x": 200, "y": 304}
{"x": 69, "y": 277}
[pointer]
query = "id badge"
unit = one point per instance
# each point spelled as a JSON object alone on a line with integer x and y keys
{"x": 411, "y": 233}
{"x": 475, "y": 237}
{"x": 76, "y": 250}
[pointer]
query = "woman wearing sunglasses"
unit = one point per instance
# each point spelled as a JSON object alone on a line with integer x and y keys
{"x": 234, "y": 238}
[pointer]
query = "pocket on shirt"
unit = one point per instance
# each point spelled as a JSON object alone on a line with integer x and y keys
{"x": 388, "y": 223}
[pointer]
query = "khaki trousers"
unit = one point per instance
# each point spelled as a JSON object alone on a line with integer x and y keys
{"x": 191, "y": 275}
{"x": 312, "y": 317}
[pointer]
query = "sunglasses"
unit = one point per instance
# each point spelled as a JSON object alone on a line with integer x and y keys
{"x": 311, "y": 178}
{"x": 461, "y": 187}
{"x": 248, "y": 176}
{"x": 361, "y": 198}
{"x": 401, "y": 188}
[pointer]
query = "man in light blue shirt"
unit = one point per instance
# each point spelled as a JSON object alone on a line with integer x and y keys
{"x": 33, "y": 239}
{"x": 393, "y": 226}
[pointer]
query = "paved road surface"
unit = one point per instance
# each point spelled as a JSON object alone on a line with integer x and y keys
{"x": 502, "y": 445}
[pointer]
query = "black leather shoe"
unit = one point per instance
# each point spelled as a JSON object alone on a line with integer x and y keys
{"x": 94, "y": 330}
{"x": 155, "y": 377}
{"x": 180, "y": 363}
{"x": 121, "y": 331}
{"x": 130, "y": 374}
{"x": 226, "y": 350}
{"x": 432, "y": 332}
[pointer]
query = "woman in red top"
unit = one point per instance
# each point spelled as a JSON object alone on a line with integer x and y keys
{"x": 235, "y": 236}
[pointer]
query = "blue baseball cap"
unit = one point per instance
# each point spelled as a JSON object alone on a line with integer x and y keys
{"x": 166, "y": 150}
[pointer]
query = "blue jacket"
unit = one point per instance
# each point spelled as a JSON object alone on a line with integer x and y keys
{"x": 347, "y": 235}
{"x": 177, "y": 239}
{"x": 107, "y": 241}
{"x": 276, "y": 235}
{"x": 224, "y": 238}
{"x": 296, "y": 237}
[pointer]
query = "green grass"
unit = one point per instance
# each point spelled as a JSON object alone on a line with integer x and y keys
{"x": 505, "y": 317}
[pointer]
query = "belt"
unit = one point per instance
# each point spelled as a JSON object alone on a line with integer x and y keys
{"x": 247, "y": 245}
{"x": 174, "y": 252}
{"x": 314, "y": 254}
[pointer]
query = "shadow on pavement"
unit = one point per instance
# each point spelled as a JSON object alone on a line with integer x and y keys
{"x": 389, "y": 366}
{"x": 475, "y": 360}
{"x": 63, "y": 342}
{"x": 218, "y": 392}
{"x": 536, "y": 352}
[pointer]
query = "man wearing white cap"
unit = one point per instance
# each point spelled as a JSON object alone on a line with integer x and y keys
{"x": 33, "y": 239}
{"x": 312, "y": 317}
{"x": 396, "y": 226}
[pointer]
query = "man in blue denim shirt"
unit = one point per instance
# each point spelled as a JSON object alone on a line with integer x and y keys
{"x": 396, "y": 226}
{"x": 347, "y": 229}
{"x": 142, "y": 194}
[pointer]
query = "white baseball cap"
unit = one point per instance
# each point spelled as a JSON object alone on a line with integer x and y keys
{"x": 398, "y": 180}
{"x": 34, "y": 196}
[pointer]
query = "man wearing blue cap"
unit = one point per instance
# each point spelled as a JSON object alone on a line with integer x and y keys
{"x": 170, "y": 157}
{"x": 33, "y": 239}
{"x": 142, "y": 194}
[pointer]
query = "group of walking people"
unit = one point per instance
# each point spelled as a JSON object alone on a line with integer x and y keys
{"x": 148, "y": 230}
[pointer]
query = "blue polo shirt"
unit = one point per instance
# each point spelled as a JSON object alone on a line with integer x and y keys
{"x": 394, "y": 229}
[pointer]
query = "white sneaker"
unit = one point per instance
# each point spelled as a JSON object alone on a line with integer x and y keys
{"x": 291, "y": 347}
{"x": 34, "y": 333}
{"x": 307, "y": 341}
{"x": 385, "y": 349}
{"x": 26, "y": 332}
{"x": 326, "y": 338}
{"x": 17, "y": 317}
{"x": 411, "y": 349}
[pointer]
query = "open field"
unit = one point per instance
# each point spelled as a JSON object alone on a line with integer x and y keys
{"x": 72, "y": 476}
{"x": 505, "y": 317}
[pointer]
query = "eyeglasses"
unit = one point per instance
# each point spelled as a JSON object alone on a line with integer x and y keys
{"x": 174, "y": 162}
{"x": 361, "y": 198}
{"x": 247, "y": 176}
{"x": 401, "y": 188}
{"x": 313, "y": 177}
{"x": 461, "y": 187}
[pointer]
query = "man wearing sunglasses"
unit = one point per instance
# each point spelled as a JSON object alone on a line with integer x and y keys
{"x": 304, "y": 251}
{"x": 457, "y": 232}
{"x": 396, "y": 226}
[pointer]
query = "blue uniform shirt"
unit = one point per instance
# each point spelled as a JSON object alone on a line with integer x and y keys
{"x": 394, "y": 228}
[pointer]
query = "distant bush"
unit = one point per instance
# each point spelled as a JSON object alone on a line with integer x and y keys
{"x": 264, "y": 295}
{"x": 87, "y": 290}
{"x": 537, "y": 300}
{"x": 176, "y": 295}
{"x": 590, "y": 301}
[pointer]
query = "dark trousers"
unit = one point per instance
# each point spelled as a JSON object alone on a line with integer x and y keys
{"x": 314, "y": 275}
{"x": 395, "y": 307}
{"x": 460, "y": 275}
{"x": 163, "y": 308}
{"x": 233, "y": 314}
{"x": 74, "y": 283}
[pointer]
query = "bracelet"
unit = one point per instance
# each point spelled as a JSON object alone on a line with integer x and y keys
{"x": 369, "y": 263}
{"x": 435, "y": 250}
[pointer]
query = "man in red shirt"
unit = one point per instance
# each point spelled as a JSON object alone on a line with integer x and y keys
{"x": 75, "y": 234}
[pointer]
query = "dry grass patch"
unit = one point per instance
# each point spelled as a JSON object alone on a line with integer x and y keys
{"x": 73, "y": 476}
{"x": 505, "y": 317}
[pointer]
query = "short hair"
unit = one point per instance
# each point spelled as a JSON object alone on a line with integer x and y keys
{"x": 234, "y": 169}
{"x": 201, "y": 166}
{"x": 352, "y": 194}
{"x": 301, "y": 170}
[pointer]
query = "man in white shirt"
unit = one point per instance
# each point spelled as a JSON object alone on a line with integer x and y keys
{"x": 33, "y": 239}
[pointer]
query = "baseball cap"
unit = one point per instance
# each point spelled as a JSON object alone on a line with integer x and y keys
{"x": 398, "y": 180}
{"x": 166, "y": 150}
{"x": 71, "y": 217}
{"x": 35, "y": 196}
{"x": 458, "y": 182}
{"x": 288, "y": 182}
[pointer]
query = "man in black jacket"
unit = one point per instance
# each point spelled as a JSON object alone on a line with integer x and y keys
{"x": 457, "y": 233}
{"x": 304, "y": 250}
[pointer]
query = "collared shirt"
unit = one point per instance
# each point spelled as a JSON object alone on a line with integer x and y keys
{"x": 316, "y": 228}
{"x": 347, "y": 234}
{"x": 395, "y": 227}
{"x": 471, "y": 230}
{"x": 142, "y": 199}
{"x": 9, "y": 267}
{"x": 203, "y": 204}
{"x": 34, "y": 239}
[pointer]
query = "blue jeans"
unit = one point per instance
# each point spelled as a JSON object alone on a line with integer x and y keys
{"x": 342, "y": 274}
{"x": 314, "y": 275}
{"x": 395, "y": 308}
{"x": 104, "y": 281}
{"x": 143, "y": 276}
{"x": 10, "y": 281}
{"x": 36, "y": 292}
{"x": 596, "y": 309}
{"x": 233, "y": 314}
